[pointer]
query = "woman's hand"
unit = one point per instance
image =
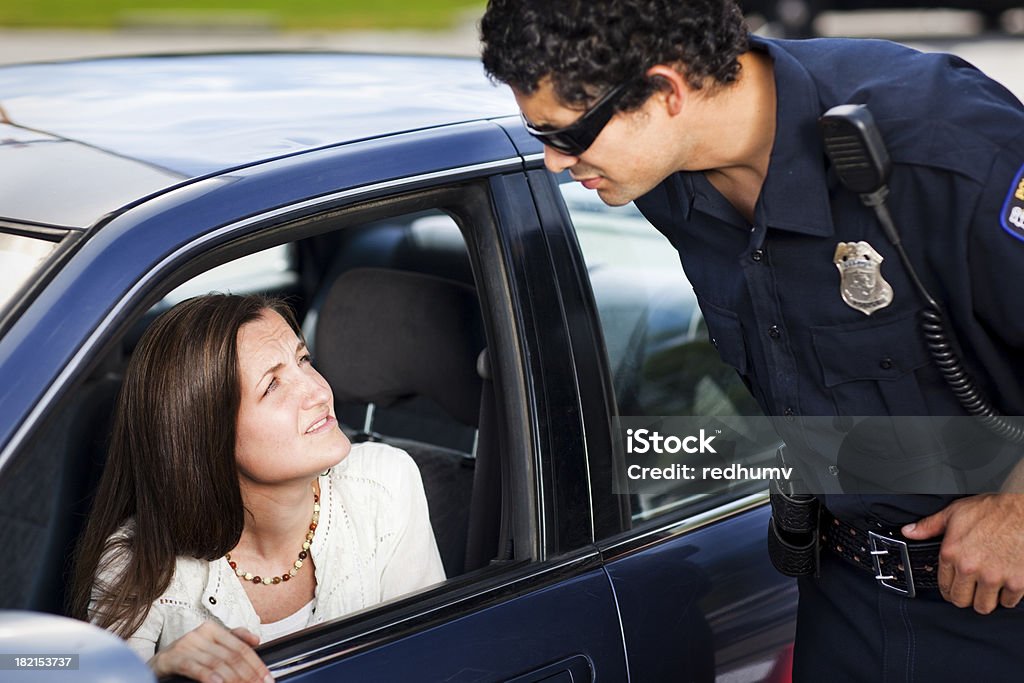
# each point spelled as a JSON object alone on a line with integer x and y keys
{"x": 212, "y": 654}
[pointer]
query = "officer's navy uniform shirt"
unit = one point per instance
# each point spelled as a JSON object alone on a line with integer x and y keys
{"x": 770, "y": 292}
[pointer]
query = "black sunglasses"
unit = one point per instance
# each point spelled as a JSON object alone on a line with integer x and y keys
{"x": 575, "y": 138}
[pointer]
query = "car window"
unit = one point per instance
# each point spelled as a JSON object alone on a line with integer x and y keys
{"x": 661, "y": 361}
{"x": 268, "y": 270}
{"x": 357, "y": 292}
{"x": 387, "y": 290}
{"x": 20, "y": 258}
{"x": 399, "y": 378}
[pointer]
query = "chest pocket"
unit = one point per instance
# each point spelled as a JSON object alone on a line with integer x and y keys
{"x": 870, "y": 367}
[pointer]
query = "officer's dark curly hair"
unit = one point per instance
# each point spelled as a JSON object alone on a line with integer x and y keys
{"x": 589, "y": 46}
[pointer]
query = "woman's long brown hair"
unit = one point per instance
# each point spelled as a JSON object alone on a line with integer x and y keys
{"x": 171, "y": 463}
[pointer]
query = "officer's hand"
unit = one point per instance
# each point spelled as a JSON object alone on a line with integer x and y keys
{"x": 212, "y": 654}
{"x": 981, "y": 561}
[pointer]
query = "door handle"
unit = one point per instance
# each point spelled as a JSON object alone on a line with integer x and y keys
{"x": 576, "y": 669}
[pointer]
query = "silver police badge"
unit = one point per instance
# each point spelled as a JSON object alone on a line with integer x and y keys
{"x": 862, "y": 284}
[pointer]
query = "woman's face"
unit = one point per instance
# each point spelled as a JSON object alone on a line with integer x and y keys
{"x": 286, "y": 426}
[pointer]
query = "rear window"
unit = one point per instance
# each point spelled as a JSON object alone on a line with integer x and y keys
{"x": 20, "y": 258}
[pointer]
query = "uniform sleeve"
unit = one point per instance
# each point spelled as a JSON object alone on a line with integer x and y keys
{"x": 995, "y": 255}
{"x": 410, "y": 560}
{"x": 996, "y": 249}
{"x": 143, "y": 641}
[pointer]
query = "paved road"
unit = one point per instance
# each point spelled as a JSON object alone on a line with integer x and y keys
{"x": 40, "y": 45}
{"x": 998, "y": 55}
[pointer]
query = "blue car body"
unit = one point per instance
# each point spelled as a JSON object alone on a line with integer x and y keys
{"x": 144, "y": 172}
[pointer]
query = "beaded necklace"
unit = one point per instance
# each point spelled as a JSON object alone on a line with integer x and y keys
{"x": 296, "y": 566}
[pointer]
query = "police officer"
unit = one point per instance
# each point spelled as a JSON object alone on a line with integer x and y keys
{"x": 714, "y": 134}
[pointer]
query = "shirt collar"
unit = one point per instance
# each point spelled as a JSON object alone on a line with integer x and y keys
{"x": 795, "y": 194}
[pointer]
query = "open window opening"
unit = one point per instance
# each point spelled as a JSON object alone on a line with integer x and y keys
{"x": 391, "y": 303}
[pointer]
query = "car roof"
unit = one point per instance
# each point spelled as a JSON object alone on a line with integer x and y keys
{"x": 105, "y": 132}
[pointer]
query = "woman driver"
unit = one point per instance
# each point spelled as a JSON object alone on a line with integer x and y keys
{"x": 232, "y": 500}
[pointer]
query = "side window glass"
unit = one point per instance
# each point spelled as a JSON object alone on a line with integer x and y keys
{"x": 661, "y": 361}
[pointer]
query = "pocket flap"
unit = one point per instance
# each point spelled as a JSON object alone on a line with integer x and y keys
{"x": 874, "y": 350}
{"x": 726, "y": 334}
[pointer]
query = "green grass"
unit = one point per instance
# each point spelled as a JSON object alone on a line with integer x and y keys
{"x": 285, "y": 14}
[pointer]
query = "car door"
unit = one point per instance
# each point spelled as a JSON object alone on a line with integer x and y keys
{"x": 543, "y": 610}
{"x": 697, "y": 596}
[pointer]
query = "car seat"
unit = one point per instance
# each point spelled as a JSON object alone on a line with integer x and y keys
{"x": 388, "y": 338}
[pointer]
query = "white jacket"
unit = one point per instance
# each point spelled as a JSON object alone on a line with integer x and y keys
{"x": 373, "y": 543}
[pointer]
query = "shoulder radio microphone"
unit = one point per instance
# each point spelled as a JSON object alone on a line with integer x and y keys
{"x": 858, "y": 154}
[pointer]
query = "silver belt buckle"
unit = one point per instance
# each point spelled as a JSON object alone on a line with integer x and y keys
{"x": 883, "y": 545}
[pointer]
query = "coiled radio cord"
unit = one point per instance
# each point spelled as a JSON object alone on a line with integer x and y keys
{"x": 940, "y": 339}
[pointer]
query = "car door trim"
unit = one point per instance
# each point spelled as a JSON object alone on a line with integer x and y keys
{"x": 627, "y": 544}
{"x": 534, "y": 577}
{"x": 71, "y": 368}
{"x": 532, "y": 160}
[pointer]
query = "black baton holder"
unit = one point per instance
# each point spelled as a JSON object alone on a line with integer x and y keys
{"x": 793, "y": 529}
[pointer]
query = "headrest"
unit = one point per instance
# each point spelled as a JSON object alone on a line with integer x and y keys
{"x": 385, "y": 335}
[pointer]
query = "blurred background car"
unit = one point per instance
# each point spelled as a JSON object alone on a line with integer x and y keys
{"x": 796, "y": 18}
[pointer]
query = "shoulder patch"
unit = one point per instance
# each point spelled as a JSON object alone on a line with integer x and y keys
{"x": 1012, "y": 215}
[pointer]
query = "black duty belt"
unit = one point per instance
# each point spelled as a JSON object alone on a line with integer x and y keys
{"x": 899, "y": 565}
